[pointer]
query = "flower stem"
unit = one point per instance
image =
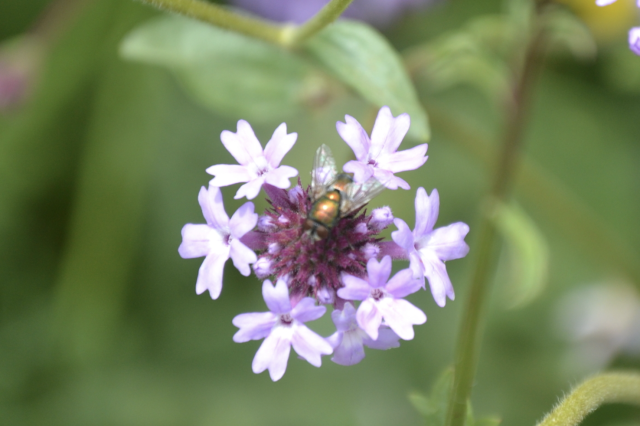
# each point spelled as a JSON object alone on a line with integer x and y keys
{"x": 284, "y": 35}
{"x": 469, "y": 337}
{"x": 598, "y": 390}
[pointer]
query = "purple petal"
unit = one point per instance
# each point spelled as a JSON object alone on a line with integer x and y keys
{"x": 403, "y": 284}
{"x": 355, "y": 136}
{"x": 401, "y": 315}
{"x": 354, "y": 288}
{"x": 251, "y": 189}
{"x": 604, "y": 2}
{"x": 390, "y": 248}
{"x": 309, "y": 345}
{"x": 402, "y": 161}
{"x": 439, "y": 282}
{"x": 279, "y": 144}
{"x": 390, "y": 181}
{"x": 416, "y": 266}
{"x": 280, "y": 176}
{"x": 306, "y": 310}
{"x": 387, "y": 339}
{"x": 344, "y": 319}
{"x": 426, "y": 212}
{"x": 276, "y": 297}
{"x": 361, "y": 172}
{"x": 448, "y": 242}
{"x": 243, "y": 145}
{"x": 243, "y": 220}
{"x": 634, "y": 39}
{"x": 212, "y": 208}
{"x": 253, "y": 326}
{"x": 196, "y": 240}
{"x": 403, "y": 236}
{"x": 350, "y": 351}
{"x": 228, "y": 174}
{"x": 242, "y": 256}
{"x": 210, "y": 273}
{"x": 369, "y": 318}
{"x": 388, "y": 132}
{"x": 379, "y": 272}
{"x": 274, "y": 353}
{"x": 334, "y": 340}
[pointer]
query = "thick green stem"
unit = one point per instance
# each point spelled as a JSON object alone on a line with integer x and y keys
{"x": 284, "y": 35}
{"x": 469, "y": 337}
{"x": 602, "y": 389}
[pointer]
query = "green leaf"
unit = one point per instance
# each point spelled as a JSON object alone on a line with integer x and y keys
{"x": 227, "y": 72}
{"x": 564, "y": 30}
{"x": 527, "y": 254}
{"x": 421, "y": 403}
{"x": 365, "y": 61}
{"x": 488, "y": 421}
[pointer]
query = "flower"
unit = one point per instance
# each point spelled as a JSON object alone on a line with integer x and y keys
{"x": 383, "y": 300}
{"x": 282, "y": 328}
{"x": 428, "y": 248}
{"x": 377, "y": 156}
{"x": 218, "y": 240}
{"x": 608, "y": 2}
{"x": 349, "y": 340}
{"x": 256, "y": 166}
{"x": 634, "y": 40}
{"x": 377, "y": 12}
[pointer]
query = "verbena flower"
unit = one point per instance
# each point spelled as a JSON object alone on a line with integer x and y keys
{"x": 428, "y": 248}
{"x": 282, "y": 328}
{"x": 377, "y": 156}
{"x": 218, "y": 240}
{"x": 321, "y": 247}
{"x": 349, "y": 340}
{"x": 256, "y": 166}
{"x": 382, "y": 299}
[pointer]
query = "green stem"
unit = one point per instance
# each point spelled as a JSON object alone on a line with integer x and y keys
{"x": 284, "y": 35}
{"x": 602, "y": 389}
{"x": 469, "y": 337}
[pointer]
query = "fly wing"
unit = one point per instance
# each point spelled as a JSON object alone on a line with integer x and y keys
{"x": 359, "y": 194}
{"x": 324, "y": 171}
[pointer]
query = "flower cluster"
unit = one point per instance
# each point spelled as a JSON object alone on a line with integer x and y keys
{"x": 320, "y": 246}
{"x": 634, "y": 33}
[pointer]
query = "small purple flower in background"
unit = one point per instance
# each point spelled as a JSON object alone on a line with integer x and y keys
{"x": 349, "y": 340}
{"x": 634, "y": 33}
{"x": 380, "y": 13}
{"x": 378, "y": 156}
{"x": 282, "y": 328}
{"x": 383, "y": 300}
{"x": 428, "y": 248}
{"x": 320, "y": 246}
{"x": 257, "y": 167}
{"x": 218, "y": 240}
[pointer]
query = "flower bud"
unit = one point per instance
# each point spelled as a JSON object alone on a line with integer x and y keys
{"x": 262, "y": 268}
{"x": 370, "y": 250}
{"x": 266, "y": 224}
{"x": 361, "y": 228}
{"x": 381, "y": 218}
{"x": 274, "y": 248}
{"x": 295, "y": 194}
{"x": 326, "y": 295}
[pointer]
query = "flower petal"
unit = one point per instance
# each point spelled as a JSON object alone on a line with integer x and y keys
{"x": 196, "y": 240}
{"x": 344, "y": 319}
{"x": 228, "y": 174}
{"x": 379, "y": 272}
{"x": 402, "y": 161}
{"x": 403, "y": 236}
{"x": 388, "y": 132}
{"x": 210, "y": 273}
{"x": 355, "y": 136}
{"x": 306, "y": 310}
{"x": 213, "y": 208}
{"x": 439, "y": 282}
{"x": 401, "y": 315}
{"x": 427, "y": 208}
{"x": 604, "y": 2}
{"x": 274, "y": 353}
{"x": 351, "y": 350}
{"x": 242, "y": 256}
{"x": 354, "y": 288}
{"x": 403, "y": 284}
{"x": 243, "y": 145}
{"x": 309, "y": 345}
{"x": 251, "y": 189}
{"x": 276, "y": 297}
{"x": 280, "y": 176}
{"x": 361, "y": 171}
{"x": 389, "y": 180}
{"x": 243, "y": 220}
{"x": 369, "y": 318}
{"x": 278, "y": 146}
{"x": 448, "y": 242}
{"x": 253, "y": 326}
{"x": 387, "y": 339}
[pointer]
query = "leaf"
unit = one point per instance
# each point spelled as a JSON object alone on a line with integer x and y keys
{"x": 488, "y": 421}
{"x": 421, "y": 403}
{"x": 227, "y": 72}
{"x": 566, "y": 31}
{"x": 527, "y": 253}
{"x": 365, "y": 61}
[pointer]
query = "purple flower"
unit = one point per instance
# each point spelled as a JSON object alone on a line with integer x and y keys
{"x": 349, "y": 340}
{"x": 428, "y": 248}
{"x": 634, "y": 40}
{"x": 378, "y": 156}
{"x": 256, "y": 166}
{"x": 282, "y": 328}
{"x": 383, "y": 300}
{"x": 377, "y": 12}
{"x": 218, "y": 240}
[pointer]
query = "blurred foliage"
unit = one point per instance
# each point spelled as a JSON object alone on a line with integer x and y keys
{"x": 99, "y": 321}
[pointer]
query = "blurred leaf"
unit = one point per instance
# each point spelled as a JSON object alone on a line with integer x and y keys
{"x": 564, "y": 30}
{"x": 421, "y": 403}
{"x": 227, "y": 72}
{"x": 364, "y": 60}
{"x": 527, "y": 253}
{"x": 488, "y": 421}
